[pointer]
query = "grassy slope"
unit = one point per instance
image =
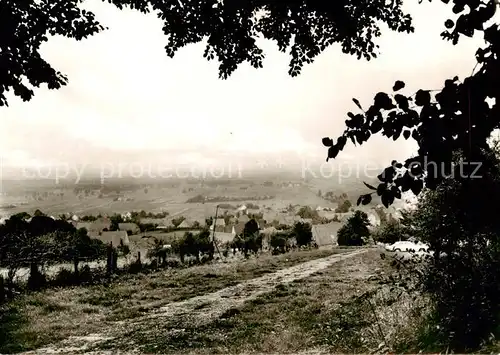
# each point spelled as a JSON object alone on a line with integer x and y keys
{"x": 320, "y": 312}
{"x": 41, "y": 318}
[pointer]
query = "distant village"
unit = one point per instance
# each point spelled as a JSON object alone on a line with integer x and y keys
{"x": 229, "y": 222}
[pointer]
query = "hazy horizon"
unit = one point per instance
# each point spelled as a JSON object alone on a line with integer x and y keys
{"x": 128, "y": 103}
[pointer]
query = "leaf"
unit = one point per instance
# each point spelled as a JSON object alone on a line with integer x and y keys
{"x": 396, "y": 192}
{"x": 332, "y": 153}
{"x": 398, "y": 85}
{"x": 383, "y": 101}
{"x": 406, "y": 134}
{"x": 367, "y": 199}
{"x": 341, "y": 141}
{"x": 417, "y": 186}
{"x": 402, "y": 102}
{"x": 381, "y": 188}
{"x": 422, "y": 98}
{"x": 357, "y": 103}
{"x": 360, "y": 198}
{"x": 327, "y": 142}
{"x": 457, "y": 8}
{"x": 370, "y": 186}
{"x": 377, "y": 125}
{"x": 387, "y": 198}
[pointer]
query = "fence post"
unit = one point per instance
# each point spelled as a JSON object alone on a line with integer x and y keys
{"x": 115, "y": 260}
{"x": 109, "y": 261}
{"x": 2, "y": 289}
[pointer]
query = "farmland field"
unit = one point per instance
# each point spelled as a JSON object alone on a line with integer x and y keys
{"x": 92, "y": 199}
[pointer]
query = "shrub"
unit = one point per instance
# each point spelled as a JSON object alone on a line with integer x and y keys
{"x": 355, "y": 230}
{"x": 390, "y": 233}
{"x": 344, "y": 207}
{"x": 303, "y": 234}
{"x": 194, "y": 245}
{"x": 307, "y": 212}
{"x": 279, "y": 242}
{"x": 65, "y": 277}
{"x": 196, "y": 199}
{"x": 463, "y": 277}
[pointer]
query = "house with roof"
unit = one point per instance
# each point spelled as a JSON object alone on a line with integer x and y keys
{"x": 243, "y": 218}
{"x": 222, "y": 237}
{"x": 242, "y": 209}
{"x": 307, "y": 220}
{"x": 374, "y": 219}
{"x": 326, "y": 234}
{"x": 343, "y": 217}
{"x": 269, "y": 231}
{"x": 161, "y": 223}
{"x": 238, "y": 228}
{"x": 261, "y": 223}
{"x": 186, "y": 224}
{"x": 132, "y": 227}
{"x": 327, "y": 214}
{"x": 287, "y": 219}
{"x": 115, "y": 237}
{"x": 96, "y": 227}
{"x": 219, "y": 224}
{"x": 127, "y": 215}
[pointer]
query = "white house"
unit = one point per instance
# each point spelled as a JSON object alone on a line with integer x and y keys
{"x": 242, "y": 208}
{"x": 127, "y": 215}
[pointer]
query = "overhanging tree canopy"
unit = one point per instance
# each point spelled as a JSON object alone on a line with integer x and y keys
{"x": 456, "y": 119}
{"x": 304, "y": 27}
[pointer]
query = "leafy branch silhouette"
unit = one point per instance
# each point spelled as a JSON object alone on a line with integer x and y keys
{"x": 454, "y": 119}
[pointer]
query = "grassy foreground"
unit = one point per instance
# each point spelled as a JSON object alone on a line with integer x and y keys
{"x": 41, "y": 318}
{"x": 323, "y": 312}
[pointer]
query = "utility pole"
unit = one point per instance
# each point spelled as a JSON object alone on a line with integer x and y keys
{"x": 214, "y": 224}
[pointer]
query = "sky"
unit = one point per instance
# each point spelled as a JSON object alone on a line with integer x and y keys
{"x": 127, "y": 101}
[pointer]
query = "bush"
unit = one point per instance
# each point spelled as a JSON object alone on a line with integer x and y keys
{"x": 307, "y": 212}
{"x": 194, "y": 245}
{"x": 390, "y": 233}
{"x": 463, "y": 277}
{"x": 280, "y": 242}
{"x": 344, "y": 207}
{"x": 303, "y": 234}
{"x": 355, "y": 231}
{"x": 65, "y": 277}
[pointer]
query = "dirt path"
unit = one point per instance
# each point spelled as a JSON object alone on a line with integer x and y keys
{"x": 202, "y": 309}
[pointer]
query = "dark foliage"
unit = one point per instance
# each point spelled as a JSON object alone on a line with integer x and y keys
{"x": 195, "y": 245}
{"x": 305, "y": 28}
{"x": 281, "y": 242}
{"x": 355, "y": 230}
{"x": 251, "y": 227}
{"x": 464, "y": 273}
{"x": 43, "y": 241}
{"x": 250, "y": 241}
{"x": 302, "y": 233}
{"x": 456, "y": 118}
